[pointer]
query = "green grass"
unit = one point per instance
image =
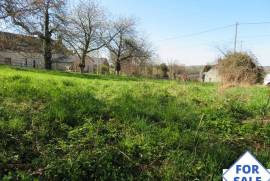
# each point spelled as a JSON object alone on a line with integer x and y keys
{"x": 64, "y": 126}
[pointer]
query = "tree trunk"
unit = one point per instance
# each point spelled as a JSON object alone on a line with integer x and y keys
{"x": 82, "y": 68}
{"x": 47, "y": 53}
{"x": 82, "y": 64}
{"x": 47, "y": 42}
{"x": 118, "y": 67}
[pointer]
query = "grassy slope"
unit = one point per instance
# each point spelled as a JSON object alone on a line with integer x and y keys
{"x": 68, "y": 126}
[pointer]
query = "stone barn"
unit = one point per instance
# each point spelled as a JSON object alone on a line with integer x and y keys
{"x": 211, "y": 75}
{"x": 26, "y": 51}
{"x": 92, "y": 64}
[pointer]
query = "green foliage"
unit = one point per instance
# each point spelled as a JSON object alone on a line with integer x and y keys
{"x": 105, "y": 69}
{"x": 64, "y": 126}
{"x": 206, "y": 68}
{"x": 164, "y": 69}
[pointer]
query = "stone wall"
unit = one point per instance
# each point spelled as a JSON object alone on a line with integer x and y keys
{"x": 33, "y": 60}
{"x": 21, "y": 59}
{"x": 212, "y": 76}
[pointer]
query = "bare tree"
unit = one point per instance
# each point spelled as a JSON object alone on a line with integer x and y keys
{"x": 175, "y": 70}
{"x": 36, "y": 17}
{"x": 125, "y": 45}
{"x": 87, "y": 30}
{"x": 11, "y": 7}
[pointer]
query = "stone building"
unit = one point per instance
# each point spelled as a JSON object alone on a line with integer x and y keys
{"x": 211, "y": 75}
{"x": 267, "y": 80}
{"x": 26, "y": 51}
{"x": 92, "y": 65}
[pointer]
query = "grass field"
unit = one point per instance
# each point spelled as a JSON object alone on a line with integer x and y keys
{"x": 63, "y": 126}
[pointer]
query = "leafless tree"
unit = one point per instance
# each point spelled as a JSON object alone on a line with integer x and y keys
{"x": 36, "y": 17}
{"x": 175, "y": 70}
{"x": 87, "y": 30}
{"x": 7, "y": 8}
{"x": 125, "y": 45}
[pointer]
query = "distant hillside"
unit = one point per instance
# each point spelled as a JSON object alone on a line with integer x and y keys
{"x": 194, "y": 69}
{"x": 267, "y": 69}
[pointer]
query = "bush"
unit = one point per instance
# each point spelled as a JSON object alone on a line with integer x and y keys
{"x": 240, "y": 68}
{"x": 164, "y": 69}
{"x": 105, "y": 69}
{"x": 206, "y": 68}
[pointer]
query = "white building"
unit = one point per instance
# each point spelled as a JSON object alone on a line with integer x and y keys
{"x": 211, "y": 75}
{"x": 267, "y": 79}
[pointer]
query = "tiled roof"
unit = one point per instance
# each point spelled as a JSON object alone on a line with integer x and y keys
{"x": 24, "y": 43}
{"x": 16, "y": 42}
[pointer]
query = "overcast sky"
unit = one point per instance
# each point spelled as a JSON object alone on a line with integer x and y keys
{"x": 166, "y": 21}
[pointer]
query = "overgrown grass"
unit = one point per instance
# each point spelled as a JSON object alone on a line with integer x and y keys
{"x": 64, "y": 126}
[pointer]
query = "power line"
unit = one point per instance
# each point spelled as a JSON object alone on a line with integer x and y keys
{"x": 255, "y": 23}
{"x": 236, "y": 30}
{"x": 220, "y": 28}
{"x": 198, "y": 33}
{"x": 213, "y": 29}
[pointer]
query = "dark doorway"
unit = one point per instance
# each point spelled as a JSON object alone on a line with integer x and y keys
{"x": 34, "y": 63}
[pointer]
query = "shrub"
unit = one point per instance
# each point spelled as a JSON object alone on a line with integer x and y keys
{"x": 240, "y": 68}
{"x": 105, "y": 69}
{"x": 164, "y": 68}
{"x": 206, "y": 68}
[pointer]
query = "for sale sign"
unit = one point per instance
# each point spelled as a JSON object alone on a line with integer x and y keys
{"x": 246, "y": 168}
